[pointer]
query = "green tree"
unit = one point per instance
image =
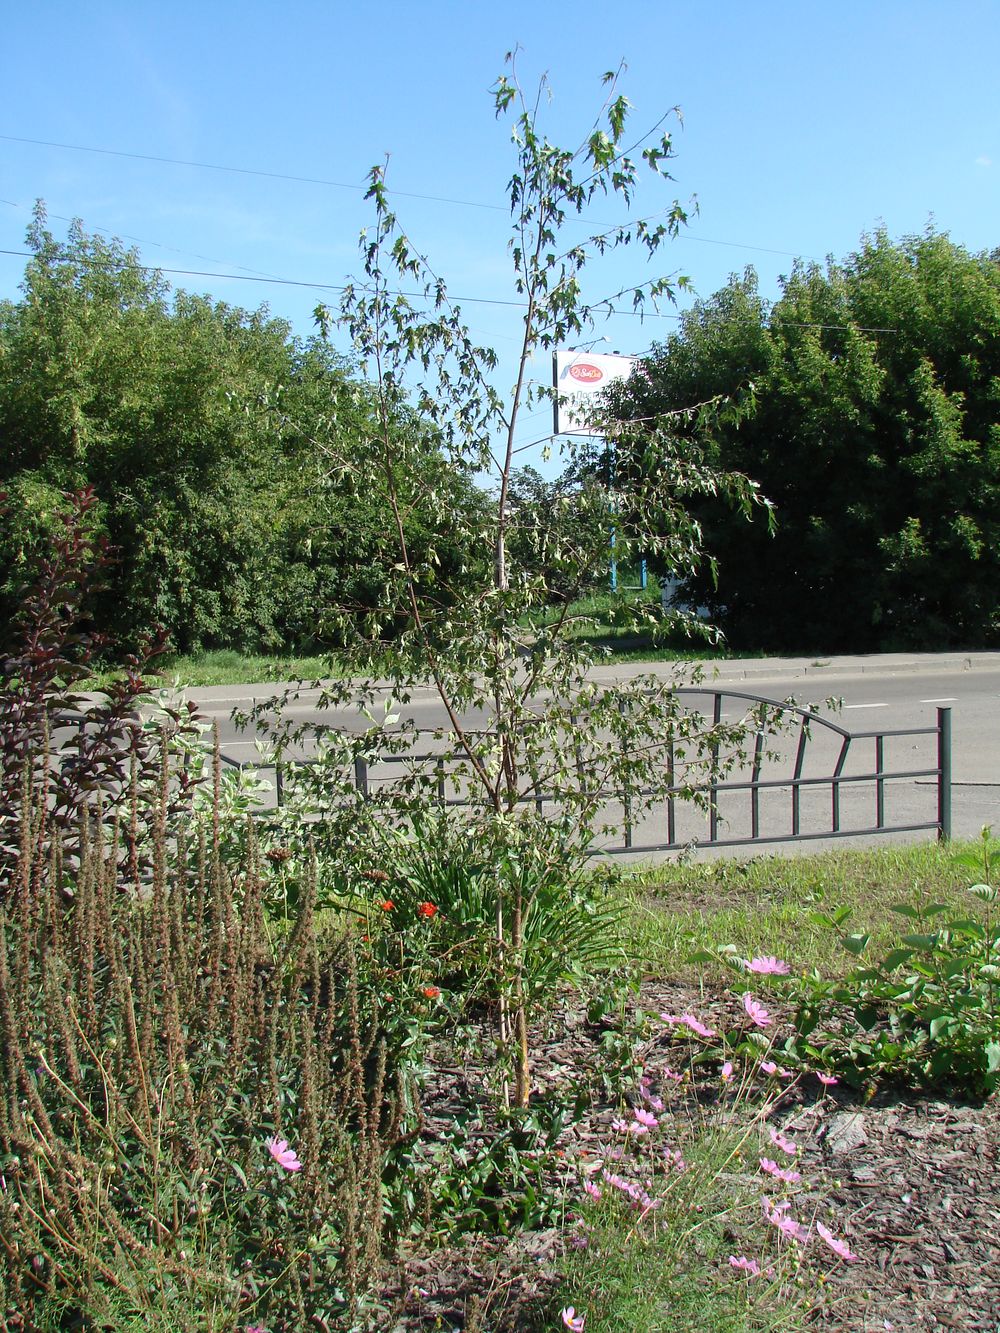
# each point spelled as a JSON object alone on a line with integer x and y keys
{"x": 873, "y": 426}
{"x": 204, "y": 430}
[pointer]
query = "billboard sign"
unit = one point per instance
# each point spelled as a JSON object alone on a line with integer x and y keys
{"x": 581, "y": 375}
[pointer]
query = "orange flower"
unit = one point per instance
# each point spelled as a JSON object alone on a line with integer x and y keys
{"x": 431, "y": 992}
{"x": 426, "y": 909}
{"x": 387, "y": 906}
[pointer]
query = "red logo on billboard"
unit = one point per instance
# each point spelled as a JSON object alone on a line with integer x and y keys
{"x": 586, "y": 373}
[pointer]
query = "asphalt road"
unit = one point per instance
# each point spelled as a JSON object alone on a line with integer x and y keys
{"x": 884, "y": 692}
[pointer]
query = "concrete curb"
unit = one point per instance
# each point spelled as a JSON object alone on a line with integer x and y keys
{"x": 734, "y": 670}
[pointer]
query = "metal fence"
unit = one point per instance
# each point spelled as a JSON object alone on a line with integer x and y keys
{"x": 822, "y": 781}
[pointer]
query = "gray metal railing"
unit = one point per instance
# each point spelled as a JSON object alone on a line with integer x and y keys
{"x": 669, "y": 823}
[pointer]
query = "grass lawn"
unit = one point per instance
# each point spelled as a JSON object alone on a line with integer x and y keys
{"x": 597, "y": 620}
{"x": 762, "y": 905}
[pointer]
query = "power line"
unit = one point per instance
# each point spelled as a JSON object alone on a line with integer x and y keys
{"x": 600, "y": 307}
{"x": 346, "y": 185}
{"x": 340, "y": 287}
{"x": 250, "y": 171}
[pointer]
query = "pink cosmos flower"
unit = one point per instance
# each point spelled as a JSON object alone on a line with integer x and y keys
{"x": 572, "y": 1320}
{"x": 689, "y": 1021}
{"x": 778, "y": 1216}
{"x": 785, "y": 1144}
{"x": 773, "y": 1169}
{"x": 839, "y": 1247}
{"x": 756, "y": 1011}
{"x": 593, "y": 1190}
{"x": 788, "y": 1226}
{"x": 645, "y": 1118}
{"x": 769, "y": 1067}
{"x": 827, "y": 1080}
{"x": 767, "y": 966}
{"x": 697, "y": 1026}
{"x": 636, "y": 1128}
{"x": 674, "y": 1078}
{"x": 655, "y": 1102}
{"x": 750, "y": 1266}
{"x": 727, "y": 1071}
{"x": 283, "y": 1155}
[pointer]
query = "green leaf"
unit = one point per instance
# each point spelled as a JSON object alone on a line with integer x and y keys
{"x": 896, "y": 958}
{"x": 986, "y": 892}
{"x": 702, "y": 956}
{"x": 925, "y": 943}
{"x": 941, "y": 1026}
{"x": 907, "y": 910}
{"x": 856, "y": 944}
{"x": 821, "y": 919}
{"x": 992, "y": 1052}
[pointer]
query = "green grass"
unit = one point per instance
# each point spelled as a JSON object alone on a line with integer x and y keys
{"x": 761, "y": 906}
{"x": 597, "y": 621}
{"x": 673, "y": 1277}
{"x": 602, "y": 621}
{"x": 225, "y": 667}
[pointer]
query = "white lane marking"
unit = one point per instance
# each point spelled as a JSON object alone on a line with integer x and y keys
{"x": 952, "y": 700}
{"x": 847, "y": 706}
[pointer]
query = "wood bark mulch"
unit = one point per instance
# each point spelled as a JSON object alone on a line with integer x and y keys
{"x": 913, "y": 1181}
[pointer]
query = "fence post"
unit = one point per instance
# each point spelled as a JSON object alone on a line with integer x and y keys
{"x": 626, "y": 785}
{"x": 944, "y": 774}
{"x": 361, "y": 775}
{"x": 713, "y": 790}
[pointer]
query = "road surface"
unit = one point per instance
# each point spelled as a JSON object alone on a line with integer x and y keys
{"x": 884, "y": 692}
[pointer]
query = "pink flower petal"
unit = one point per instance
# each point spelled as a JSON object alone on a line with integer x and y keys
{"x": 767, "y": 966}
{"x": 756, "y": 1011}
{"x": 744, "y": 1264}
{"x": 282, "y": 1154}
{"x": 779, "y": 1172}
{"x": 785, "y": 1144}
{"x": 839, "y": 1247}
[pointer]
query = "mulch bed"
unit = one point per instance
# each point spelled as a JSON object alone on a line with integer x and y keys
{"x": 913, "y": 1181}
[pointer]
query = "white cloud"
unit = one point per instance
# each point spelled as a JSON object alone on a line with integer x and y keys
{"x": 984, "y": 161}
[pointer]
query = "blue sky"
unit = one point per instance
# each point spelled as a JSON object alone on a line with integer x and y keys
{"x": 804, "y": 125}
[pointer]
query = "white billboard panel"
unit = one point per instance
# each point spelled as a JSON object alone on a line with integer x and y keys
{"x": 582, "y": 375}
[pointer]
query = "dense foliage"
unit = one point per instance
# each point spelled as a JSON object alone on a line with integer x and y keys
{"x": 866, "y": 403}
{"x": 202, "y": 429}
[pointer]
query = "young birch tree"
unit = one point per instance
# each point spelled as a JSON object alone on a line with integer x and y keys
{"x": 534, "y": 744}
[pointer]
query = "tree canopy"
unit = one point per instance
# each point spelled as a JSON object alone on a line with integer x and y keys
{"x": 866, "y": 404}
{"x": 204, "y": 430}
